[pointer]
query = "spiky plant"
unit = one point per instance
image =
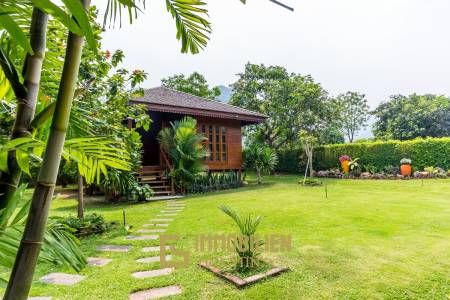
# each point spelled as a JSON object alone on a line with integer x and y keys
{"x": 247, "y": 245}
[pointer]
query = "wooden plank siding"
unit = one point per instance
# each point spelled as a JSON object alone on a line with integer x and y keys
{"x": 233, "y": 136}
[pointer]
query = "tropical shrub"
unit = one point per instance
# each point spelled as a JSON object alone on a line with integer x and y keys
{"x": 81, "y": 227}
{"x": 213, "y": 181}
{"x": 120, "y": 185}
{"x": 246, "y": 245}
{"x": 260, "y": 158}
{"x": 184, "y": 146}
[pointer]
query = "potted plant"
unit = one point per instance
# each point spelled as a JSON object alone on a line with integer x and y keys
{"x": 405, "y": 168}
{"x": 345, "y": 161}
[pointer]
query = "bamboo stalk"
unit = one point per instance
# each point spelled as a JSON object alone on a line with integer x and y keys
{"x": 80, "y": 207}
{"x": 26, "y": 104}
{"x": 22, "y": 274}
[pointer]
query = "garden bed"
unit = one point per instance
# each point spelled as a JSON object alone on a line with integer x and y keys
{"x": 233, "y": 276}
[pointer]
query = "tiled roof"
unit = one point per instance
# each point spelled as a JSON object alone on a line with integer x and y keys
{"x": 168, "y": 100}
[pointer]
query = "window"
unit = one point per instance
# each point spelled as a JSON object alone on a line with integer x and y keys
{"x": 216, "y": 142}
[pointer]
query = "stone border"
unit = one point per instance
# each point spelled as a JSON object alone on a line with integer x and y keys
{"x": 243, "y": 282}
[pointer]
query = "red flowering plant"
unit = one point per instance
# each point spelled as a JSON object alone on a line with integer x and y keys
{"x": 345, "y": 158}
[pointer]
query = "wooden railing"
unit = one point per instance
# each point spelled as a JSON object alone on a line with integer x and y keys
{"x": 165, "y": 163}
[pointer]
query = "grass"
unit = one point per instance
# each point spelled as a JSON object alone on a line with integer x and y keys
{"x": 367, "y": 240}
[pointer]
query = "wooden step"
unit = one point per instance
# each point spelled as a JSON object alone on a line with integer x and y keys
{"x": 162, "y": 192}
{"x": 159, "y": 187}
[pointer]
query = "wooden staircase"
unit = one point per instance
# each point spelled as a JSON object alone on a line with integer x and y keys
{"x": 157, "y": 179}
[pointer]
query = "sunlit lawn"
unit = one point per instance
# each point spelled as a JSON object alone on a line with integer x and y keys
{"x": 368, "y": 240}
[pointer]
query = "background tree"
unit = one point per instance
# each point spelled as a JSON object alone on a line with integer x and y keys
{"x": 409, "y": 117}
{"x": 194, "y": 84}
{"x": 293, "y": 102}
{"x": 353, "y": 113}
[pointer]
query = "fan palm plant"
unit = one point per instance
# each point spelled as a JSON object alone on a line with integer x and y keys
{"x": 247, "y": 245}
{"x": 184, "y": 146}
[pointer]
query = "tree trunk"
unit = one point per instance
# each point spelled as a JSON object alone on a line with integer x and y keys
{"x": 30, "y": 246}
{"x": 258, "y": 175}
{"x": 80, "y": 197}
{"x": 26, "y": 104}
{"x": 311, "y": 170}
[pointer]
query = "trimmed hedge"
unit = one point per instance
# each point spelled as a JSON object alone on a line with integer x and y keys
{"x": 423, "y": 153}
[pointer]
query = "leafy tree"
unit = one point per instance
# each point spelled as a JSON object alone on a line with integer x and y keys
{"x": 194, "y": 84}
{"x": 184, "y": 146}
{"x": 293, "y": 102}
{"x": 191, "y": 29}
{"x": 409, "y": 117}
{"x": 353, "y": 113}
{"x": 260, "y": 158}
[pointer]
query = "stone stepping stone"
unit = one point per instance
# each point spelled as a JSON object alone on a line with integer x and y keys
{"x": 152, "y": 273}
{"x": 61, "y": 278}
{"x": 156, "y": 293}
{"x": 166, "y": 215}
{"x": 170, "y": 211}
{"x": 152, "y": 259}
{"x": 175, "y": 205}
{"x": 142, "y": 237}
{"x": 154, "y": 249}
{"x": 114, "y": 248}
{"x": 97, "y": 261}
{"x": 39, "y": 298}
{"x": 161, "y": 220}
{"x": 150, "y": 230}
{"x": 157, "y": 225}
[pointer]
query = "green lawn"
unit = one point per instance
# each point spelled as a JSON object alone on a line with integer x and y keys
{"x": 368, "y": 240}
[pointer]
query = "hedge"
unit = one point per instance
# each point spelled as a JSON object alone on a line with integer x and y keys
{"x": 423, "y": 153}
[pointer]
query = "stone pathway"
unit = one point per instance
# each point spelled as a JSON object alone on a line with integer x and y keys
{"x": 152, "y": 273}
{"x": 61, "y": 278}
{"x": 156, "y": 293}
{"x": 152, "y": 259}
{"x": 97, "y": 261}
{"x": 114, "y": 248}
{"x": 150, "y": 230}
{"x": 142, "y": 237}
{"x": 153, "y": 249}
{"x": 172, "y": 209}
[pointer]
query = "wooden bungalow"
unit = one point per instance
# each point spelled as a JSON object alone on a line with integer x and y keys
{"x": 220, "y": 123}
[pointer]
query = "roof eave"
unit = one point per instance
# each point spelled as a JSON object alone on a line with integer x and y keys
{"x": 246, "y": 119}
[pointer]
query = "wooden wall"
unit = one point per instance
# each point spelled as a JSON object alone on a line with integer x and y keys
{"x": 234, "y": 143}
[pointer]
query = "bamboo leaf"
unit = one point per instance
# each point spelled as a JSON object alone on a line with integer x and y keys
{"x": 23, "y": 161}
{"x": 14, "y": 30}
{"x": 79, "y": 13}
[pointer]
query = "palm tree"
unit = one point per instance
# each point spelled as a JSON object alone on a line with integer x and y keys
{"x": 260, "y": 158}
{"x": 184, "y": 146}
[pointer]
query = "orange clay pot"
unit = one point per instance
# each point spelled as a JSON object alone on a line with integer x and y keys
{"x": 405, "y": 170}
{"x": 345, "y": 167}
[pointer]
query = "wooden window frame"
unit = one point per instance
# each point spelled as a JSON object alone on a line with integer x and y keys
{"x": 214, "y": 144}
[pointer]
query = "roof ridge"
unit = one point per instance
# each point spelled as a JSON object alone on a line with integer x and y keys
{"x": 206, "y": 99}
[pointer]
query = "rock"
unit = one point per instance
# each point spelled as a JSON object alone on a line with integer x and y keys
{"x": 366, "y": 175}
{"x": 322, "y": 174}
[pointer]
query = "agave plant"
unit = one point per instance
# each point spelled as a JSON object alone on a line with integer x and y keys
{"x": 248, "y": 252}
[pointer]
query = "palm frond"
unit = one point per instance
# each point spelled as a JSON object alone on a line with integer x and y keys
{"x": 192, "y": 28}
